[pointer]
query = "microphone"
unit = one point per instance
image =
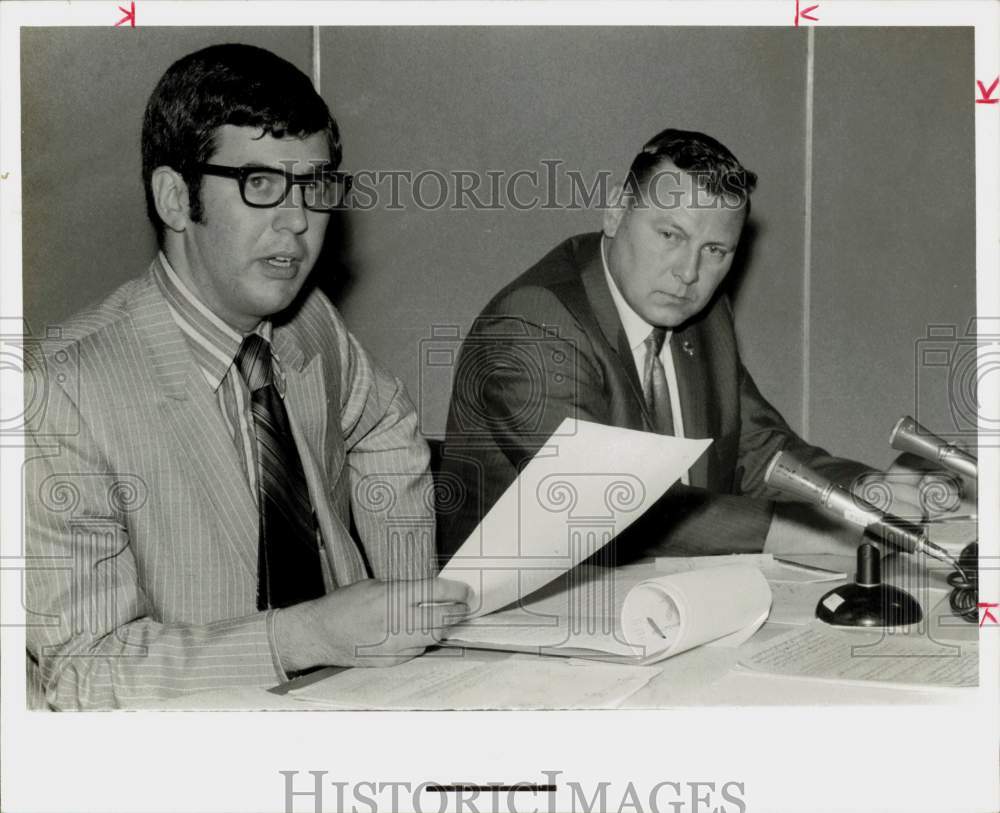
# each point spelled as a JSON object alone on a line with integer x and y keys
{"x": 786, "y": 473}
{"x": 910, "y": 436}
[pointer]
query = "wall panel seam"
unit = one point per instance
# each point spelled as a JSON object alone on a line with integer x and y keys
{"x": 807, "y": 233}
{"x": 316, "y": 73}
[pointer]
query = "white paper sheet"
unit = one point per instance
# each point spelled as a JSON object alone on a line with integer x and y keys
{"x": 615, "y": 612}
{"x": 457, "y": 682}
{"x": 795, "y": 587}
{"x": 775, "y": 570}
{"x": 580, "y": 609}
{"x": 821, "y": 651}
{"x": 795, "y": 603}
{"x": 583, "y": 488}
{"x": 722, "y": 605}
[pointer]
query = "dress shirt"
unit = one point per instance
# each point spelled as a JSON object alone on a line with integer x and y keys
{"x": 637, "y": 331}
{"x": 214, "y": 345}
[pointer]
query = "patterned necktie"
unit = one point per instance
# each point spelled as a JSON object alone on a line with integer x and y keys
{"x": 654, "y": 383}
{"x": 288, "y": 563}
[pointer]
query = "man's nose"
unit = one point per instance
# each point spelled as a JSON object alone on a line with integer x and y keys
{"x": 685, "y": 267}
{"x": 291, "y": 213}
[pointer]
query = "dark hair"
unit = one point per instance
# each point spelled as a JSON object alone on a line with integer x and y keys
{"x": 225, "y": 84}
{"x": 710, "y": 163}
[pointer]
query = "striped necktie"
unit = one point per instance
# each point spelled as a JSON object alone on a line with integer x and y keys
{"x": 288, "y": 556}
{"x": 654, "y": 383}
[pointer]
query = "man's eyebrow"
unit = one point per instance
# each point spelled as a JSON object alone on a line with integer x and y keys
{"x": 668, "y": 221}
{"x": 721, "y": 244}
{"x": 315, "y": 168}
{"x": 259, "y": 165}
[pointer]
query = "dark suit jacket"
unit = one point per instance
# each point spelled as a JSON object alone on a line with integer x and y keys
{"x": 550, "y": 345}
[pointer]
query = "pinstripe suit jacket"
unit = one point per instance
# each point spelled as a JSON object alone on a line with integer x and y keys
{"x": 141, "y": 528}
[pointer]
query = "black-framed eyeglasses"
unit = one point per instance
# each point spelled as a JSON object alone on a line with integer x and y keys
{"x": 324, "y": 190}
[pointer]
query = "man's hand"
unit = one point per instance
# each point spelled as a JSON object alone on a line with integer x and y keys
{"x": 916, "y": 495}
{"x": 369, "y": 623}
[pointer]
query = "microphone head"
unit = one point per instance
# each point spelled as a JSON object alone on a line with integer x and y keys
{"x": 787, "y": 473}
{"x": 909, "y": 436}
{"x": 904, "y": 427}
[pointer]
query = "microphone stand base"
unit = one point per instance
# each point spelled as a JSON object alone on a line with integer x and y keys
{"x": 877, "y": 605}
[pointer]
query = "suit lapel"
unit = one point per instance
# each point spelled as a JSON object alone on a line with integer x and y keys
{"x": 306, "y": 399}
{"x": 699, "y": 410}
{"x": 193, "y": 422}
{"x": 602, "y": 305}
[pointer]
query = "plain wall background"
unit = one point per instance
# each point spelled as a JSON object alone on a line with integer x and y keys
{"x": 83, "y": 93}
{"x": 892, "y": 210}
{"x": 894, "y": 234}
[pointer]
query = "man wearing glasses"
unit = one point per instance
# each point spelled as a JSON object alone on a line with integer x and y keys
{"x": 227, "y": 429}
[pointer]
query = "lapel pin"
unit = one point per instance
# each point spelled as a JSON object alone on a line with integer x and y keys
{"x": 687, "y": 347}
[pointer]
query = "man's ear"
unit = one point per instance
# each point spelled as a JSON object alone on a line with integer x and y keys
{"x": 617, "y": 204}
{"x": 170, "y": 194}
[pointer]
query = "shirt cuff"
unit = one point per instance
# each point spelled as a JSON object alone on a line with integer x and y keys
{"x": 272, "y": 642}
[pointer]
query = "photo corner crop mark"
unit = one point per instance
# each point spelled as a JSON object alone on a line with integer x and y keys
{"x": 129, "y": 15}
{"x": 805, "y": 13}
{"x": 986, "y": 93}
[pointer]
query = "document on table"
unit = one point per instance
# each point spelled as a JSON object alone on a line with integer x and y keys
{"x": 584, "y": 487}
{"x": 775, "y": 570}
{"x": 795, "y": 602}
{"x": 452, "y": 681}
{"x": 795, "y": 588}
{"x": 898, "y": 659}
{"x": 630, "y": 614}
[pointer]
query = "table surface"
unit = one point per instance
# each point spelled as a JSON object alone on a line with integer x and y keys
{"x": 704, "y": 676}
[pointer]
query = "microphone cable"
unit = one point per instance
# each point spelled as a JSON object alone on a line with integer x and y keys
{"x": 964, "y": 597}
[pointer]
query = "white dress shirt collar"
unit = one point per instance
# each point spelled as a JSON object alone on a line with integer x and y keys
{"x": 637, "y": 330}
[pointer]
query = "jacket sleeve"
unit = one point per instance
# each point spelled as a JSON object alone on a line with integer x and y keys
{"x": 392, "y": 490}
{"x": 92, "y": 636}
{"x": 763, "y": 432}
{"x": 522, "y": 370}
